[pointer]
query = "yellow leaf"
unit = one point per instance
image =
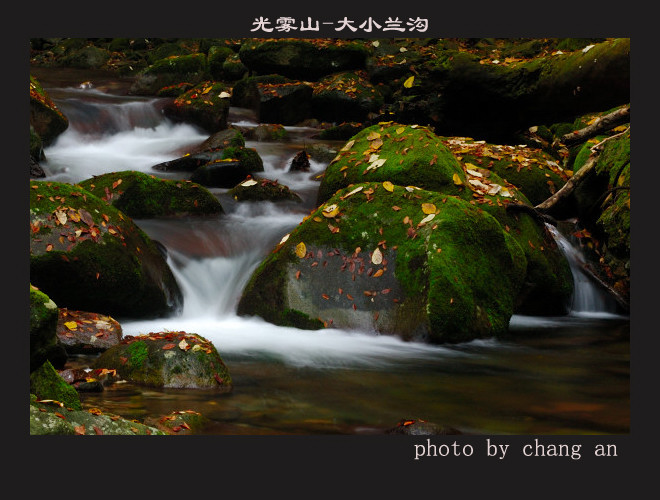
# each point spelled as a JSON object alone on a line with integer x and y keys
{"x": 330, "y": 211}
{"x": 620, "y": 128}
{"x": 356, "y": 190}
{"x": 301, "y": 250}
{"x": 457, "y": 179}
{"x": 409, "y": 82}
{"x": 388, "y": 186}
{"x": 71, "y": 325}
{"x": 373, "y": 135}
{"x": 400, "y": 130}
{"x": 428, "y": 208}
{"x": 317, "y": 219}
{"x": 348, "y": 145}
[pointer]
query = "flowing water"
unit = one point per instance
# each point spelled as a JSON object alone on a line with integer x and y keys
{"x": 550, "y": 375}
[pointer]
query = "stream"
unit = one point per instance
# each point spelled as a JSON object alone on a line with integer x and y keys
{"x": 549, "y": 375}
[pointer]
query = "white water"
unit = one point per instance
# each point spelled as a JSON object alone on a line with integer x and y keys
{"x": 212, "y": 260}
{"x": 589, "y": 300}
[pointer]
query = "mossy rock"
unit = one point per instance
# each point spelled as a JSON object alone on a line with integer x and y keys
{"x": 36, "y": 146}
{"x": 535, "y": 173}
{"x": 87, "y": 255}
{"x": 269, "y": 132}
{"x": 89, "y": 57}
{"x": 262, "y": 190}
{"x": 143, "y": 196}
{"x": 233, "y": 68}
{"x": 347, "y": 96}
{"x": 407, "y": 261}
{"x": 83, "y": 332}
{"x": 44, "y": 344}
{"x": 245, "y": 93}
{"x": 303, "y": 59}
{"x": 413, "y": 156}
{"x": 230, "y": 137}
{"x": 53, "y": 418}
{"x": 341, "y": 132}
{"x": 168, "y": 359}
{"x": 206, "y": 105}
{"x": 172, "y": 70}
{"x": 236, "y": 164}
{"x": 47, "y": 384}
{"x": 46, "y": 119}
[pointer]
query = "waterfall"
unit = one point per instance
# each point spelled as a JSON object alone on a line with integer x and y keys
{"x": 589, "y": 299}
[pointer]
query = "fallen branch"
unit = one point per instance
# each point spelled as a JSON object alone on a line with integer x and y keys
{"x": 603, "y": 124}
{"x": 567, "y": 189}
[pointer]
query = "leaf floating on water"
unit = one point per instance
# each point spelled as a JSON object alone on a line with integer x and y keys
{"x": 388, "y": 186}
{"x": 301, "y": 250}
{"x": 348, "y": 145}
{"x": 330, "y": 211}
{"x": 376, "y": 257}
{"x": 429, "y": 208}
{"x": 248, "y": 183}
{"x": 457, "y": 179}
{"x": 409, "y": 82}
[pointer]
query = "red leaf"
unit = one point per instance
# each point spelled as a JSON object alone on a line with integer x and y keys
{"x": 168, "y": 346}
{"x": 98, "y": 431}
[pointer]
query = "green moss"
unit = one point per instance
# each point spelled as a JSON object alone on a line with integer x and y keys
{"x": 413, "y": 156}
{"x": 249, "y": 158}
{"x": 140, "y": 195}
{"x": 179, "y": 64}
{"x": 138, "y": 354}
{"x": 46, "y": 383}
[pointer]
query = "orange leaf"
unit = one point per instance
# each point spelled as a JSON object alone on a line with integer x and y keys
{"x": 169, "y": 346}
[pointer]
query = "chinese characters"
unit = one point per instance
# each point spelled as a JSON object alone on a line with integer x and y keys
{"x": 369, "y": 25}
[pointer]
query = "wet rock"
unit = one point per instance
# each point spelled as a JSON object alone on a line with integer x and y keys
{"x": 47, "y": 384}
{"x": 300, "y": 162}
{"x": 345, "y": 97}
{"x": 395, "y": 260}
{"x": 88, "y": 256}
{"x": 44, "y": 344}
{"x": 179, "y": 422}
{"x": 168, "y": 359}
{"x": 206, "y": 105}
{"x": 258, "y": 189}
{"x": 168, "y": 71}
{"x": 82, "y": 332}
{"x": 236, "y": 164}
{"x": 46, "y": 119}
{"x": 143, "y": 196}
{"x": 51, "y": 418}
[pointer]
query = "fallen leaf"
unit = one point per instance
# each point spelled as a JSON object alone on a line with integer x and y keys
{"x": 409, "y": 82}
{"x": 429, "y": 208}
{"x": 356, "y": 190}
{"x": 71, "y": 325}
{"x": 330, "y": 211}
{"x": 167, "y": 347}
{"x": 457, "y": 180}
{"x": 301, "y": 250}
{"x": 377, "y": 257}
{"x": 426, "y": 219}
{"x": 248, "y": 183}
{"x": 348, "y": 145}
{"x": 183, "y": 345}
{"x": 378, "y": 273}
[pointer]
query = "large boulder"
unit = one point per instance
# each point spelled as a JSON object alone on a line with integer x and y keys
{"x": 403, "y": 155}
{"x": 141, "y": 196}
{"x": 46, "y": 120}
{"x": 302, "y": 59}
{"x": 171, "y": 70}
{"x": 87, "y": 255}
{"x": 347, "y": 96}
{"x": 262, "y": 190}
{"x": 205, "y": 105}
{"x": 44, "y": 344}
{"x": 393, "y": 259}
{"x": 168, "y": 359}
